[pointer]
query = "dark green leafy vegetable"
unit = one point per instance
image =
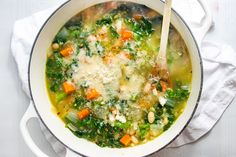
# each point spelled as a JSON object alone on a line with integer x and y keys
{"x": 96, "y": 130}
{"x": 84, "y": 85}
{"x": 158, "y": 86}
{"x": 68, "y": 68}
{"x": 107, "y": 20}
{"x": 55, "y": 72}
{"x": 62, "y": 36}
{"x": 143, "y": 129}
{"x": 122, "y": 125}
{"x": 114, "y": 34}
{"x": 100, "y": 48}
{"x": 79, "y": 102}
{"x": 171, "y": 119}
{"x": 141, "y": 28}
{"x": 176, "y": 95}
{"x": 82, "y": 43}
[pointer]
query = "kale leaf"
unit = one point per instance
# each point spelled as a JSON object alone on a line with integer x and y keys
{"x": 55, "y": 72}
{"x": 106, "y": 20}
{"x": 141, "y": 28}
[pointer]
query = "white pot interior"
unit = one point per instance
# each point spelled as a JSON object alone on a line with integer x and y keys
{"x": 57, "y": 127}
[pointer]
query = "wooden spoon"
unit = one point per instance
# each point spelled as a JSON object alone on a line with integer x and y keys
{"x": 162, "y": 68}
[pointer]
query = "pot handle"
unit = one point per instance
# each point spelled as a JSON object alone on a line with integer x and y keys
{"x": 29, "y": 114}
{"x": 200, "y": 30}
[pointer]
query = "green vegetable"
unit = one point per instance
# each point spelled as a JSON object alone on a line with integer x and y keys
{"x": 96, "y": 130}
{"x": 176, "y": 95}
{"x": 84, "y": 85}
{"x": 128, "y": 47}
{"x": 68, "y": 68}
{"x": 134, "y": 97}
{"x": 158, "y": 86}
{"x": 62, "y": 36}
{"x": 82, "y": 43}
{"x": 107, "y": 20}
{"x": 122, "y": 125}
{"x": 55, "y": 72}
{"x": 114, "y": 34}
{"x": 143, "y": 129}
{"x": 100, "y": 48}
{"x": 141, "y": 28}
{"x": 158, "y": 112}
{"x": 79, "y": 102}
{"x": 171, "y": 119}
{"x": 60, "y": 96}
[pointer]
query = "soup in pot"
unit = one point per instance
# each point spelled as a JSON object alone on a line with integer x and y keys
{"x": 101, "y": 75}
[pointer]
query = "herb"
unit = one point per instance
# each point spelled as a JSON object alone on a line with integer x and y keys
{"x": 123, "y": 104}
{"x": 134, "y": 97}
{"x": 84, "y": 85}
{"x": 158, "y": 86}
{"x": 128, "y": 47}
{"x": 112, "y": 101}
{"x": 79, "y": 102}
{"x": 113, "y": 32}
{"x": 68, "y": 68}
{"x": 100, "y": 48}
{"x": 107, "y": 20}
{"x": 82, "y": 43}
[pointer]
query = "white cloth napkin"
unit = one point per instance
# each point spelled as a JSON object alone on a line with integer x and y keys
{"x": 219, "y": 86}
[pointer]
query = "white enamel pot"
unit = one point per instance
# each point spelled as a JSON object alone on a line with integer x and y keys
{"x": 80, "y": 147}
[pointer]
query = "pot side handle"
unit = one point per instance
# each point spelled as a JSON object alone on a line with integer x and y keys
{"x": 29, "y": 114}
{"x": 200, "y": 30}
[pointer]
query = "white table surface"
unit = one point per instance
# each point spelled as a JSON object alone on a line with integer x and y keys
{"x": 220, "y": 142}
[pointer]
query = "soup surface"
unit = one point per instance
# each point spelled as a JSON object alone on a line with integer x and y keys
{"x": 101, "y": 75}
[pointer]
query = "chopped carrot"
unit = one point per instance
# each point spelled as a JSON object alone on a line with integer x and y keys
{"x": 125, "y": 140}
{"x": 137, "y": 17}
{"x": 92, "y": 94}
{"x": 68, "y": 87}
{"x": 126, "y": 55}
{"x": 67, "y": 51}
{"x": 83, "y": 113}
{"x": 126, "y": 34}
{"x": 108, "y": 58}
{"x": 163, "y": 86}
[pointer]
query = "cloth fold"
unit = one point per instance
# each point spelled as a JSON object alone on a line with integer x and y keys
{"x": 219, "y": 85}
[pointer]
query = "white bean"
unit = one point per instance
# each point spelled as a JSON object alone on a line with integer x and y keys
{"x": 165, "y": 120}
{"x": 151, "y": 117}
{"x": 134, "y": 140}
{"x": 55, "y": 46}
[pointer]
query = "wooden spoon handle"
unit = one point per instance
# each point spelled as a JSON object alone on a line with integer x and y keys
{"x": 165, "y": 28}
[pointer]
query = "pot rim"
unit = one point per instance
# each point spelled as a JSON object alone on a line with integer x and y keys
{"x": 78, "y": 153}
